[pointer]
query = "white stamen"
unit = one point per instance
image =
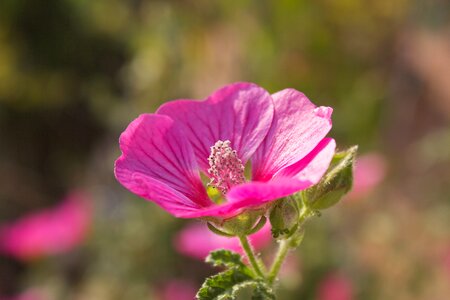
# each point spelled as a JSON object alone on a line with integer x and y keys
{"x": 226, "y": 169}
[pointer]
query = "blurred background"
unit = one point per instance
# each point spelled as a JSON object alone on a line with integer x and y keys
{"x": 74, "y": 73}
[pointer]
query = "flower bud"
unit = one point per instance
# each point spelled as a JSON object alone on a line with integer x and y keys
{"x": 337, "y": 181}
{"x": 284, "y": 216}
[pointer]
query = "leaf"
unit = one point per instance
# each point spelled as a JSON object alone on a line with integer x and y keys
{"x": 263, "y": 291}
{"x": 224, "y": 285}
{"x": 225, "y": 258}
{"x": 227, "y": 284}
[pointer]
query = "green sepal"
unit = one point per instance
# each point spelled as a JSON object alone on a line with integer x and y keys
{"x": 218, "y": 231}
{"x": 258, "y": 226}
{"x": 337, "y": 181}
{"x": 243, "y": 223}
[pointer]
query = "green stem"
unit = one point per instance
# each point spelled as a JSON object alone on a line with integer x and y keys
{"x": 285, "y": 245}
{"x": 251, "y": 256}
{"x": 283, "y": 250}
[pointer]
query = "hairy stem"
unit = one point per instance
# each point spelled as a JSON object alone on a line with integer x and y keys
{"x": 283, "y": 250}
{"x": 251, "y": 255}
{"x": 284, "y": 246}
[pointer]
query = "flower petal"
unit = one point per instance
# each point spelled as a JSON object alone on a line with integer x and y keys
{"x": 168, "y": 198}
{"x": 299, "y": 176}
{"x": 313, "y": 166}
{"x": 158, "y": 163}
{"x": 298, "y": 126}
{"x": 239, "y": 112}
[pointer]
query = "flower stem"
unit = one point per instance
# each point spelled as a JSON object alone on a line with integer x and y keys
{"x": 283, "y": 250}
{"x": 250, "y": 255}
{"x": 291, "y": 242}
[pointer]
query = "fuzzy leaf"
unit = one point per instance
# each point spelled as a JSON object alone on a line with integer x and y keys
{"x": 263, "y": 291}
{"x": 223, "y": 286}
{"x": 225, "y": 258}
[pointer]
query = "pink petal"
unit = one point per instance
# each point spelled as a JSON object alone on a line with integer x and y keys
{"x": 335, "y": 287}
{"x": 178, "y": 290}
{"x": 370, "y": 170}
{"x": 168, "y": 198}
{"x": 298, "y": 126}
{"x": 239, "y": 112}
{"x": 299, "y": 176}
{"x": 304, "y": 169}
{"x": 157, "y": 163}
{"x": 196, "y": 240}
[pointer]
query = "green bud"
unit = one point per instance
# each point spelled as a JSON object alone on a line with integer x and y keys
{"x": 337, "y": 181}
{"x": 284, "y": 216}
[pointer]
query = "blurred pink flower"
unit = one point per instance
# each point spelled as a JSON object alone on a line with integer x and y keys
{"x": 49, "y": 231}
{"x": 446, "y": 262}
{"x": 370, "y": 170}
{"x": 283, "y": 135}
{"x": 335, "y": 287}
{"x": 178, "y": 290}
{"x": 31, "y": 294}
{"x": 196, "y": 240}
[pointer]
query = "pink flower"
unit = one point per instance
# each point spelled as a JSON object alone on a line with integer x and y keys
{"x": 446, "y": 262}
{"x": 370, "y": 170}
{"x": 196, "y": 240}
{"x": 282, "y": 135}
{"x": 335, "y": 287}
{"x": 178, "y": 290}
{"x": 47, "y": 232}
{"x": 31, "y": 294}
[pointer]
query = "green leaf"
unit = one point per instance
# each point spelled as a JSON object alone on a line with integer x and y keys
{"x": 263, "y": 291}
{"x": 225, "y": 258}
{"x": 224, "y": 285}
{"x": 335, "y": 183}
{"x": 227, "y": 285}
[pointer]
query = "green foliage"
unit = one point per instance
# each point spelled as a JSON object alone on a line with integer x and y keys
{"x": 225, "y": 258}
{"x": 227, "y": 284}
{"x": 262, "y": 291}
{"x": 335, "y": 183}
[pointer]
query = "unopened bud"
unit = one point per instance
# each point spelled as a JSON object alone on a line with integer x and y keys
{"x": 284, "y": 216}
{"x": 335, "y": 183}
